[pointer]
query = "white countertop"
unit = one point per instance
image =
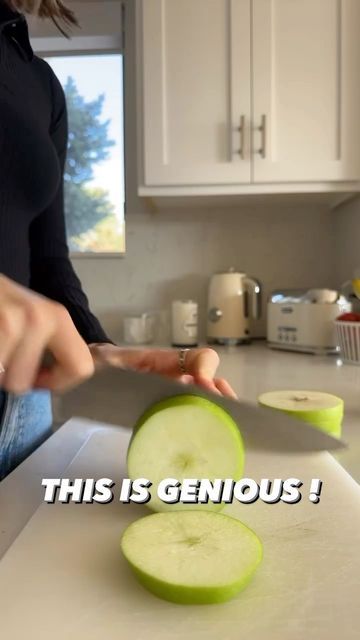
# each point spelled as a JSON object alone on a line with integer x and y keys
{"x": 254, "y": 369}
{"x": 64, "y": 572}
{"x": 251, "y": 369}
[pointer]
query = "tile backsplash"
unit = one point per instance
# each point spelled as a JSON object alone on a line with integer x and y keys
{"x": 172, "y": 253}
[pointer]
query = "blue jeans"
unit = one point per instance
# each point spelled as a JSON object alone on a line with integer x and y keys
{"x": 25, "y": 422}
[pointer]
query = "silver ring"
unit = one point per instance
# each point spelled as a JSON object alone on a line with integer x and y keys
{"x": 182, "y": 358}
{"x": 2, "y": 368}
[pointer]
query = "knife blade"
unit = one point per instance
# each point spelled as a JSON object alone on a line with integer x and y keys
{"x": 120, "y": 396}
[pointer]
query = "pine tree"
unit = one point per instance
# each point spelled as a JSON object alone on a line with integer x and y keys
{"x": 88, "y": 144}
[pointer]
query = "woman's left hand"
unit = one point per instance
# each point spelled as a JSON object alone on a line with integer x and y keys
{"x": 200, "y": 364}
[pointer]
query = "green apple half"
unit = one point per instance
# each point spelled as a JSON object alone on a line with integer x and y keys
{"x": 192, "y": 557}
{"x": 185, "y": 437}
{"x": 322, "y": 410}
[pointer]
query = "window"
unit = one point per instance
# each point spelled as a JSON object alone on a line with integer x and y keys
{"x": 94, "y": 172}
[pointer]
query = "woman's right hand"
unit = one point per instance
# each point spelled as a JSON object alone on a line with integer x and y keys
{"x": 31, "y": 325}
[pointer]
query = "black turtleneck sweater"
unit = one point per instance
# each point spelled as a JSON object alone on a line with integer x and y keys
{"x": 33, "y": 142}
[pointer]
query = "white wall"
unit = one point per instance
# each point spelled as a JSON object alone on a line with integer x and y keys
{"x": 172, "y": 254}
{"x": 346, "y": 232}
{"x": 96, "y": 17}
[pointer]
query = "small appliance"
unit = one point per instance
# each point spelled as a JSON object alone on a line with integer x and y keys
{"x": 303, "y": 320}
{"x": 184, "y": 323}
{"x": 233, "y": 298}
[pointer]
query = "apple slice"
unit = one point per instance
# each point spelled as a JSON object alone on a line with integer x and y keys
{"x": 192, "y": 557}
{"x": 185, "y": 437}
{"x": 323, "y": 410}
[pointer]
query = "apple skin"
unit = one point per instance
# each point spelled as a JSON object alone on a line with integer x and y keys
{"x": 181, "y": 401}
{"x": 327, "y": 419}
{"x": 186, "y": 399}
{"x": 181, "y": 594}
{"x": 185, "y": 594}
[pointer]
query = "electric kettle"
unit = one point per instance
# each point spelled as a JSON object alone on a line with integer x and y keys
{"x": 233, "y": 298}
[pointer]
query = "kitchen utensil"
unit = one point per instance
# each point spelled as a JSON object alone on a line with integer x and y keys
{"x": 69, "y": 554}
{"x": 139, "y": 329}
{"x": 233, "y": 298}
{"x": 120, "y": 396}
{"x": 303, "y": 320}
{"x": 348, "y": 334}
{"x": 184, "y": 323}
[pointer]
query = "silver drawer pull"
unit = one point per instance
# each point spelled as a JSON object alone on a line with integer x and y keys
{"x": 262, "y": 129}
{"x": 241, "y": 129}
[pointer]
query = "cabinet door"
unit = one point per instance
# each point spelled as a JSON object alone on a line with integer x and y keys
{"x": 306, "y": 90}
{"x": 195, "y": 62}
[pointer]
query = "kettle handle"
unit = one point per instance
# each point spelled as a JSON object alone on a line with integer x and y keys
{"x": 254, "y": 292}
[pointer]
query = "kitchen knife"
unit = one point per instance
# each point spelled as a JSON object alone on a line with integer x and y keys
{"x": 120, "y": 396}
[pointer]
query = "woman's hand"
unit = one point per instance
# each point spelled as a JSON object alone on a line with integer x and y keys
{"x": 31, "y": 325}
{"x": 200, "y": 364}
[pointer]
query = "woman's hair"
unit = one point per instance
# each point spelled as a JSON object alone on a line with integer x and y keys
{"x": 53, "y": 9}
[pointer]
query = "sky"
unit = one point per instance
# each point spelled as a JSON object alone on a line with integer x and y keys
{"x": 94, "y": 75}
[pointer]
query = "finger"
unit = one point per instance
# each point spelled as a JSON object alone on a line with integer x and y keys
{"x": 225, "y": 388}
{"x": 202, "y": 363}
{"x": 198, "y": 362}
{"x": 60, "y": 378}
{"x": 25, "y": 358}
{"x": 12, "y": 324}
{"x": 73, "y": 361}
{"x": 28, "y": 324}
{"x": 185, "y": 379}
{"x": 138, "y": 359}
{"x": 161, "y": 361}
{"x": 25, "y": 361}
{"x": 208, "y": 385}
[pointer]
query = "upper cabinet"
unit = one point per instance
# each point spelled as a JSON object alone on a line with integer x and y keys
{"x": 196, "y": 99}
{"x": 306, "y": 90}
{"x": 235, "y": 95}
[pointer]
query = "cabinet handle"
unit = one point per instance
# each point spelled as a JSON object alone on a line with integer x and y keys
{"x": 262, "y": 129}
{"x": 241, "y": 129}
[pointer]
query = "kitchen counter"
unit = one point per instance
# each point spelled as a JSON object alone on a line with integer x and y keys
{"x": 307, "y": 585}
{"x": 254, "y": 369}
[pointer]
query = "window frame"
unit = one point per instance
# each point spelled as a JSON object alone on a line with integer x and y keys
{"x": 48, "y": 46}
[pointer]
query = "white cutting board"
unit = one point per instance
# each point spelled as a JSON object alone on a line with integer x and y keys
{"x": 64, "y": 577}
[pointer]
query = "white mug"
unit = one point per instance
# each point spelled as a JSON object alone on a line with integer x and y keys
{"x": 184, "y": 323}
{"x": 139, "y": 329}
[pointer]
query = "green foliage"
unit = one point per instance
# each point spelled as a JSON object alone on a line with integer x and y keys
{"x": 107, "y": 236}
{"x": 86, "y": 207}
{"x": 88, "y": 145}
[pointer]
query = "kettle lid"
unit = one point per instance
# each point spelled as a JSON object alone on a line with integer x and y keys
{"x": 229, "y": 270}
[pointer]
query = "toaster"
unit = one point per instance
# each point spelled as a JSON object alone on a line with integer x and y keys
{"x": 303, "y": 320}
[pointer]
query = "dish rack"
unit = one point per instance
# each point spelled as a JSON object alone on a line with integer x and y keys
{"x": 348, "y": 334}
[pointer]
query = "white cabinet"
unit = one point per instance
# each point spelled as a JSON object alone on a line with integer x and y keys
{"x": 306, "y": 90}
{"x": 195, "y": 99}
{"x": 238, "y": 94}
